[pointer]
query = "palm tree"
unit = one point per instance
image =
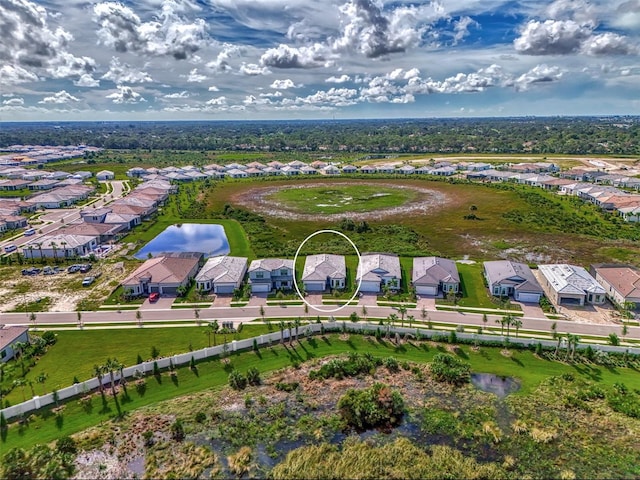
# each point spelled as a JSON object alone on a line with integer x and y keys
{"x": 575, "y": 339}
{"x": 30, "y": 383}
{"x": 262, "y": 312}
{"x": 64, "y": 249}
{"x": 79, "y": 314}
{"x": 411, "y": 318}
{"x": 297, "y": 324}
{"x": 290, "y": 326}
{"x": 558, "y": 337}
{"x": 39, "y": 245}
{"x": 485, "y": 319}
{"x": 54, "y": 247}
{"x": 501, "y": 322}
{"x": 41, "y": 378}
{"x": 139, "y": 317}
{"x": 508, "y": 320}
{"x": 424, "y": 313}
{"x": 364, "y": 312}
{"x": 625, "y": 330}
{"x": 402, "y": 309}
{"x": 32, "y": 319}
{"x": 196, "y": 314}
{"x": 281, "y": 326}
{"x": 391, "y": 319}
{"x": 517, "y": 323}
{"x": 98, "y": 370}
{"x": 213, "y": 327}
{"x": 30, "y": 249}
{"x": 111, "y": 366}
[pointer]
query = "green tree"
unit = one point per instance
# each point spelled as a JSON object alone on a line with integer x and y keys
{"x": 196, "y": 315}
{"x": 402, "y": 309}
{"x": 364, "y": 312}
{"x": 517, "y": 323}
{"x": 41, "y": 379}
{"x": 139, "y": 317}
{"x": 98, "y": 371}
{"x": 410, "y": 318}
{"x": 281, "y": 326}
{"x": 297, "y": 324}
{"x": 213, "y": 327}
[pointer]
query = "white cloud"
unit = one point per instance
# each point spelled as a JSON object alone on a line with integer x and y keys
{"x": 539, "y": 74}
{"x": 213, "y": 88}
{"x": 14, "y": 102}
{"x": 627, "y": 16}
{"x": 29, "y": 47}
{"x": 551, "y": 37}
{"x": 171, "y": 96}
{"x": 284, "y": 84}
{"x": 60, "y": 97}
{"x": 86, "y": 80}
{"x": 252, "y": 69}
{"x": 217, "y": 101}
{"x": 168, "y": 34}
{"x": 461, "y": 28}
{"x": 337, "y": 97}
{"x": 195, "y": 77}
{"x": 120, "y": 73}
{"x": 285, "y": 56}
{"x": 125, "y": 94}
{"x": 341, "y": 79}
{"x": 221, "y": 63}
{"x": 608, "y": 43}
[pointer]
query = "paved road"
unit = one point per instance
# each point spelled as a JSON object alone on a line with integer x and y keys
{"x": 246, "y": 314}
{"x": 59, "y": 217}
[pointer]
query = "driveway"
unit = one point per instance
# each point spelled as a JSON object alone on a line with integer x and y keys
{"x": 531, "y": 310}
{"x": 314, "y": 299}
{"x": 160, "y": 304}
{"x": 368, "y": 299}
{"x": 257, "y": 299}
{"x": 222, "y": 301}
{"x": 426, "y": 302}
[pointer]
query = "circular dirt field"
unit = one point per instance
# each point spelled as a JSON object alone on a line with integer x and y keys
{"x": 260, "y": 200}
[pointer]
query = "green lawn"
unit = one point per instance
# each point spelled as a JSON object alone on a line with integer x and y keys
{"x": 474, "y": 293}
{"x": 211, "y": 374}
{"x": 342, "y": 198}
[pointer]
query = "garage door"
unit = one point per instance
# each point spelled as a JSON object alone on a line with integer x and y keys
{"x": 370, "y": 287}
{"x": 314, "y": 287}
{"x": 260, "y": 287}
{"x": 528, "y": 297}
{"x": 170, "y": 290}
{"x": 423, "y": 290}
{"x": 223, "y": 288}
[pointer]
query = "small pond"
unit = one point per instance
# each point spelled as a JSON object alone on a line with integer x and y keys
{"x": 498, "y": 385}
{"x": 209, "y": 239}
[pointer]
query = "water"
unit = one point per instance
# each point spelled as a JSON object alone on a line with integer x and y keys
{"x": 209, "y": 239}
{"x": 500, "y": 386}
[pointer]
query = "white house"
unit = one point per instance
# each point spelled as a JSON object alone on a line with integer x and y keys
{"x": 378, "y": 270}
{"x": 324, "y": 271}
{"x": 621, "y": 283}
{"x": 164, "y": 274}
{"x": 506, "y": 278}
{"x": 60, "y": 246}
{"x": 268, "y": 274}
{"x": 103, "y": 175}
{"x": 570, "y": 285}
{"x": 222, "y": 274}
{"x": 432, "y": 275}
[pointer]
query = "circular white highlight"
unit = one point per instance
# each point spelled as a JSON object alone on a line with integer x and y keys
{"x": 295, "y": 282}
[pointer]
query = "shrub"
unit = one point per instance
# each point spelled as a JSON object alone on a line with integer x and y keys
{"x": 391, "y": 364}
{"x": 371, "y": 407}
{"x": 49, "y": 337}
{"x": 253, "y": 376}
{"x": 177, "y": 430}
{"x": 200, "y": 417}
{"x": 287, "y": 386}
{"x": 237, "y": 381}
{"x": 66, "y": 444}
{"x": 447, "y": 368}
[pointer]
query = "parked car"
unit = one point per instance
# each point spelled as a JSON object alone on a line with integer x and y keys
{"x": 29, "y": 231}
{"x": 85, "y": 268}
{"x": 10, "y": 248}
{"x": 73, "y": 268}
{"x": 86, "y": 281}
{"x": 48, "y": 270}
{"x": 30, "y": 271}
{"x": 153, "y": 297}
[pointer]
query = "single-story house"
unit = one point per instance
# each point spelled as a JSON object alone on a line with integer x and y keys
{"x": 432, "y": 275}
{"x": 323, "y": 272}
{"x": 105, "y": 175}
{"x": 222, "y": 274}
{"x": 105, "y": 232}
{"x": 349, "y": 169}
{"x": 14, "y": 184}
{"x": 236, "y": 173}
{"x": 368, "y": 169}
{"x": 44, "y": 184}
{"x": 330, "y": 170}
{"x": 61, "y": 245}
{"x": 136, "y": 172}
{"x": 9, "y": 336}
{"x": 14, "y": 221}
{"x": 377, "y": 270}
{"x": 621, "y": 283}
{"x": 406, "y": 170}
{"x": 268, "y": 274}
{"x": 163, "y": 274}
{"x": 570, "y": 285}
{"x": 506, "y": 278}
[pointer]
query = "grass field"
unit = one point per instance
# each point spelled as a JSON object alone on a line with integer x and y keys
{"x": 341, "y": 199}
{"x": 523, "y": 365}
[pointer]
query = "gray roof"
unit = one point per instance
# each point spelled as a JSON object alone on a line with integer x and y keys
{"x": 570, "y": 279}
{"x": 224, "y": 269}
{"x": 270, "y": 264}
{"x": 434, "y": 270}
{"x": 323, "y": 266}
{"x": 374, "y": 266}
{"x": 518, "y": 275}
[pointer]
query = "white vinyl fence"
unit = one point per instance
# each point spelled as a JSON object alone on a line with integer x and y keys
{"x": 237, "y": 345}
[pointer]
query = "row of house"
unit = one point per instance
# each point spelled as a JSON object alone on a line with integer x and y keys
{"x": 41, "y": 154}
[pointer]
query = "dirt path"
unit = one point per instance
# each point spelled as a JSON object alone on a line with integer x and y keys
{"x": 257, "y": 200}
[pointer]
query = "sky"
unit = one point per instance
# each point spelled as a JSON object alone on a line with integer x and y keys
{"x": 297, "y": 59}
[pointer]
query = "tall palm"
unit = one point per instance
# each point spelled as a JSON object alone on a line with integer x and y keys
{"x": 297, "y": 324}
{"x": 575, "y": 341}
{"x": 517, "y": 323}
{"x": 32, "y": 318}
{"x": 54, "y": 247}
{"x": 41, "y": 378}
{"x": 281, "y": 326}
{"x": 98, "y": 370}
{"x": 290, "y": 327}
{"x": 30, "y": 249}
{"x": 402, "y": 309}
{"x": 111, "y": 366}
{"x": 79, "y": 314}
{"x": 501, "y": 322}
{"x": 411, "y": 318}
{"x": 508, "y": 320}
{"x": 39, "y": 245}
{"x": 196, "y": 315}
{"x": 364, "y": 312}
{"x": 64, "y": 248}
{"x": 392, "y": 318}
{"x": 213, "y": 327}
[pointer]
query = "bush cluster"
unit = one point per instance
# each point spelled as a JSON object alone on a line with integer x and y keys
{"x": 447, "y": 368}
{"x": 372, "y": 407}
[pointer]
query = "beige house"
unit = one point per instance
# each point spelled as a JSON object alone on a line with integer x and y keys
{"x": 164, "y": 274}
{"x": 621, "y": 283}
{"x": 432, "y": 275}
{"x": 324, "y": 272}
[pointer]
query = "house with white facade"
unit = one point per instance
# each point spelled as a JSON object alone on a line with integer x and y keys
{"x": 164, "y": 274}
{"x": 267, "y": 274}
{"x": 377, "y": 270}
{"x": 103, "y": 175}
{"x": 60, "y": 246}
{"x": 570, "y": 285}
{"x": 506, "y": 278}
{"x": 435, "y": 275}
{"x": 324, "y": 272}
{"x": 222, "y": 274}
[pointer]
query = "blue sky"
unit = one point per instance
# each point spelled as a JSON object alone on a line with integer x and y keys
{"x": 288, "y": 59}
